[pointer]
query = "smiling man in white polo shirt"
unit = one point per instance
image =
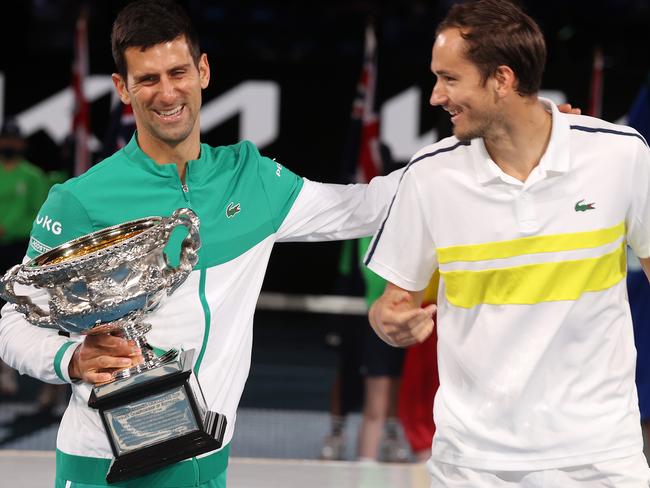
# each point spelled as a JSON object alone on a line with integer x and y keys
{"x": 526, "y": 212}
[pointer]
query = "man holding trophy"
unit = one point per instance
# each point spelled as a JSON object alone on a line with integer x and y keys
{"x": 96, "y": 271}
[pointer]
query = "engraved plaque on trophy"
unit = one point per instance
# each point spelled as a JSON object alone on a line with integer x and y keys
{"x": 154, "y": 413}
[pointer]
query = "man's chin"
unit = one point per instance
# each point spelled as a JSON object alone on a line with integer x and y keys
{"x": 466, "y": 135}
{"x": 173, "y": 138}
{"x": 463, "y": 136}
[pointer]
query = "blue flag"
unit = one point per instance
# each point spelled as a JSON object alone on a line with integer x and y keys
{"x": 637, "y": 282}
{"x": 639, "y": 115}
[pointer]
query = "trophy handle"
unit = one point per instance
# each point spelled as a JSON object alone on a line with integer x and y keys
{"x": 191, "y": 244}
{"x": 34, "y": 314}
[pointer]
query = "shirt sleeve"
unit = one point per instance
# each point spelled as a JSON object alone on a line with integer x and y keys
{"x": 280, "y": 184}
{"x": 38, "y": 352}
{"x": 324, "y": 212}
{"x": 403, "y": 250}
{"x": 60, "y": 219}
{"x": 638, "y": 218}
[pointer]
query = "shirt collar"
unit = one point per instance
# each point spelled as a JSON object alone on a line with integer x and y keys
{"x": 555, "y": 160}
{"x": 133, "y": 151}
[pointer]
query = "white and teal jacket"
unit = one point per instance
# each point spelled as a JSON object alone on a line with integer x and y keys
{"x": 212, "y": 312}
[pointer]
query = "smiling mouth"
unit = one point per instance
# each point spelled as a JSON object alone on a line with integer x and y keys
{"x": 454, "y": 113}
{"x": 171, "y": 114}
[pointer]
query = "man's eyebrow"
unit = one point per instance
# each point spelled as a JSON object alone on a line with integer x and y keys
{"x": 142, "y": 76}
{"x": 442, "y": 72}
{"x": 180, "y": 66}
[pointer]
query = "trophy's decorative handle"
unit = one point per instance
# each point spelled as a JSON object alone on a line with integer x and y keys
{"x": 191, "y": 244}
{"x": 33, "y": 313}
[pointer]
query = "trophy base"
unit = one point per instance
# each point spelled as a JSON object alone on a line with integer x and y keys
{"x": 147, "y": 460}
{"x": 156, "y": 418}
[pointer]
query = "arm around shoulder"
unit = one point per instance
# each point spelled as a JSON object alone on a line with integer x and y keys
{"x": 326, "y": 211}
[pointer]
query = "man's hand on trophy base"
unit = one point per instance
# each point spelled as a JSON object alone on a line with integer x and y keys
{"x": 98, "y": 356}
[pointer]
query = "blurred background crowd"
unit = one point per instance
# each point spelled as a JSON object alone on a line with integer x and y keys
{"x": 314, "y": 84}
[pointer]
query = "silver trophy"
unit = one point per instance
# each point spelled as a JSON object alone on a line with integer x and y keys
{"x": 154, "y": 413}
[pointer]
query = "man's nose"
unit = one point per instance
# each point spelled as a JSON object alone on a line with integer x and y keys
{"x": 167, "y": 89}
{"x": 438, "y": 95}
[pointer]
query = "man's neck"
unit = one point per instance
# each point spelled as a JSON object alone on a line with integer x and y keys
{"x": 519, "y": 144}
{"x": 179, "y": 154}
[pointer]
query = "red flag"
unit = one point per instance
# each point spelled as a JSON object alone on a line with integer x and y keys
{"x": 369, "y": 162}
{"x": 81, "y": 115}
{"x": 595, "y": 108}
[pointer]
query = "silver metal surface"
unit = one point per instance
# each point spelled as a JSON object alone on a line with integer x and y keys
{"x": 105, "y": 277}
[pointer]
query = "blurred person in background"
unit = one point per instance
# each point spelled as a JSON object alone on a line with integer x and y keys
{"x": 23, "y": 189}
{"x": 381, "y": 367}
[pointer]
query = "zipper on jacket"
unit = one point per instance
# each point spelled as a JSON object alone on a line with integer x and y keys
{"x": 186, "y": 190}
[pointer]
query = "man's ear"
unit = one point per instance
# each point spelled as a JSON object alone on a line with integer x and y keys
{"x": 120, "y": 88}
{"x": 204, "y": 70}
{"x": 505, "y": 81}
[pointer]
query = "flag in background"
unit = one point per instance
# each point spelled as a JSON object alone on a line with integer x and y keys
{"x": 595, "y": 108}
{"x": 362, "y": 156}
{"x": 121, "y": 126}
{"x": 369, "y": 161}
{"x": 81, "y": 114}
{"x": 639, "y": 115}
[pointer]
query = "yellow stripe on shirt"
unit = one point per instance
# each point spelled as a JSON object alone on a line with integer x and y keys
{"x": 531, "y": 245}
{"x": 535, "y": 283}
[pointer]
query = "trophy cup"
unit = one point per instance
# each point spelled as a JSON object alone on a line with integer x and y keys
{"x": 154, "y": 413}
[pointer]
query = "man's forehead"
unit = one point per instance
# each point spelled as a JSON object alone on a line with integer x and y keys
{"x": 175, "y": 44}
{"x": 450, "y": 39}
{"x": 158, "y": 56}
{"x": 449, "y": 47}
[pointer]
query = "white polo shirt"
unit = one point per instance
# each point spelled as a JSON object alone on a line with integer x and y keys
{"x": 535, "y": 344}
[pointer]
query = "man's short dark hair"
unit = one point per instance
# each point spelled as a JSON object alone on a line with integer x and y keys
{"x": 497, "y": 33}
{"x": 145, "y": 23}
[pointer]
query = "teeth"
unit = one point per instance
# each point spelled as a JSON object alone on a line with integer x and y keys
{"x": 168, "y": 113}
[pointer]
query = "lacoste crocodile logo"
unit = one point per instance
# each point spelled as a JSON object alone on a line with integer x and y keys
{"x": 232, "y": 209}
{"x": 583, "y": 207}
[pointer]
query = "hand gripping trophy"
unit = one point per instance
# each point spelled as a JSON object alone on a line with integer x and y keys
{"x": 154, "y": 413}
